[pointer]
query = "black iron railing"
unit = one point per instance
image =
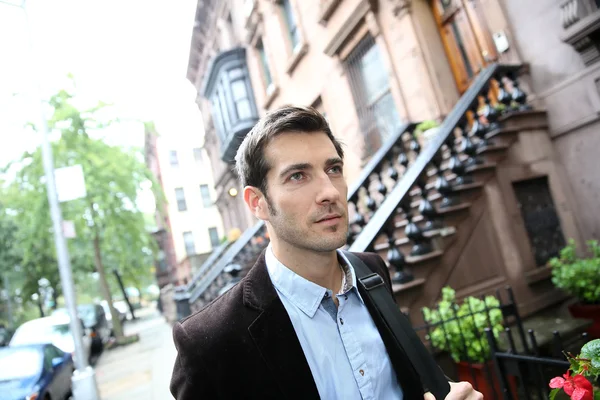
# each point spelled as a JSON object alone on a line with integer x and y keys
{"x": 460, "y": 330}
{"x": 437, "y": 177}
{"x": 527, "y": 375}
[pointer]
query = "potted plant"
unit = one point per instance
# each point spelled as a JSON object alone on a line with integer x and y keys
{"x": 585, "y": 370}
{"x": 580, "y": 277}
{"x": 459, "y": 330}
{"x": 425, "y": 131}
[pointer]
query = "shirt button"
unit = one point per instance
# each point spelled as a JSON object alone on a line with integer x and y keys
{"x": 346, "y": 297}
{"x": 362, "y": 372}
{"x": 341, "y": 321}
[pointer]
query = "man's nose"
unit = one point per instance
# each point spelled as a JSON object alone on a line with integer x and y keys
{"x": 328, "y": 192}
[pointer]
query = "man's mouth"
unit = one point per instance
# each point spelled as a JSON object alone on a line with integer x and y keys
{"x": 329, "y": 218}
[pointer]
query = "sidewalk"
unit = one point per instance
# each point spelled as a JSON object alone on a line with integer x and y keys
{"x": 141, "y": 370}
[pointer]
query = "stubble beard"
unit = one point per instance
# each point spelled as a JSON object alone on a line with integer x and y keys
{"x": 287, "y": 230}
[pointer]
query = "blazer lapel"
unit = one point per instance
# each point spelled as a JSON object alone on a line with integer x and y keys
{"x": 274, "y": 335}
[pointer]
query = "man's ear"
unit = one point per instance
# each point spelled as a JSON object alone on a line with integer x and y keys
{"x": 256, "y": 202}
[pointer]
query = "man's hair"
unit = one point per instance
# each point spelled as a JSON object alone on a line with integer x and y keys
{"x": 251, "y": 164}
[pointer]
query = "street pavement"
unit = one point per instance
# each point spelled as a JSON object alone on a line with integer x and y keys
{"x": 141, "y": 370}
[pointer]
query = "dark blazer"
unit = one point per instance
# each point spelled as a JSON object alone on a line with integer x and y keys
{"x": 243, "y": 345}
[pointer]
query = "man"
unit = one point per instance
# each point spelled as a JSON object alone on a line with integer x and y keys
{"x": 296, "y": 326}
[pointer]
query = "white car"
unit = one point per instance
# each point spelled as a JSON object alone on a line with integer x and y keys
{"x": 55, "y": 330}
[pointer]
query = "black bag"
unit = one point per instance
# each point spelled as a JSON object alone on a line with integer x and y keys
{"x": 394, "y": 325}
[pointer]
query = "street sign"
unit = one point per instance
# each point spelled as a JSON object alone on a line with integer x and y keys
{"x": 70, "y": 183}
{"x": 68, "y": 229}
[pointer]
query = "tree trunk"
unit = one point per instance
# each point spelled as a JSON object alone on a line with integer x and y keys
{"x": 40, "y": 306}
{"x": 54, "y": 298}
{"x": 116, "y": 322}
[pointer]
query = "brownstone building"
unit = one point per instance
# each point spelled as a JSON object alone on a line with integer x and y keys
{"x": 489, "y": 197}
{"x": 166, "y": 263}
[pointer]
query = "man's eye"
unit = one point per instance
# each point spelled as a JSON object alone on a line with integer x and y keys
{"x": 336, "y": 170}
{"x": 296, "y": 176}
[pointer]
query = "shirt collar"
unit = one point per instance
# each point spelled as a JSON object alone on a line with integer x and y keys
{"x": 304, "y": 294}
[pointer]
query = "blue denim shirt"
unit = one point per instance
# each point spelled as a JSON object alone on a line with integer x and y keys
{"x": 342, "y": 345}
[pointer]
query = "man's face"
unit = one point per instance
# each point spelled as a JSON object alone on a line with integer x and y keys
{"x": 306, "y": 192}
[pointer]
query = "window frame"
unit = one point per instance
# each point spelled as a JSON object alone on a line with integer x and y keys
{"x": 173, "y": 158}
{"x": 189, "y": 245}
{"x": 181, "y": 201}
{"x": 366, "y": 103}
{"x": 207, "y": 201}
{"x": 214, "y": 243}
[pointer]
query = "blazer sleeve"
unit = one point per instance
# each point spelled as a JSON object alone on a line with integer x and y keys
{"x": 190, "y": 379}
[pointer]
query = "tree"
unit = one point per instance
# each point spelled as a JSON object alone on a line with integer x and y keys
{"x": 9, "y": 259}
{"x": 109, "y": 226}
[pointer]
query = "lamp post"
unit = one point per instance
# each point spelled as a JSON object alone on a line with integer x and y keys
{"x": 83, "y": 379}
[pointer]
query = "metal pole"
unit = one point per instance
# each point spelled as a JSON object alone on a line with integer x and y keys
{"x": 84, "y": 381}
{"x": 9, "y": 310}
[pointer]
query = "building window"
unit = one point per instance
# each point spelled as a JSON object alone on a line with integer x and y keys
{"x": 180, "y": 196}
{"x": 214, "y": 237}
{"x": 291, "y": 23}
{"x": 190, "y": 247}
{"x": 240, "y": 93}
{"x": 173, "y": 160}
{"x": 198, "y": 155}
{"x": 370, "y": 85}
{"x": 205, "y": 192}
{"x": 266, "y": 72}
{"x": 162, "y": 261}
{"x": 228, "y": 88}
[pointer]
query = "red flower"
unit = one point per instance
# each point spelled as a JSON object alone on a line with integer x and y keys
{"x": 577, "y": 387}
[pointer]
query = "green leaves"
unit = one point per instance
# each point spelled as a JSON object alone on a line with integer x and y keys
{"x": 459, "y": 329}
{"x": 591, "y": 351}
{"x": 579, "y": 277}
{"x": 113, "y": 177}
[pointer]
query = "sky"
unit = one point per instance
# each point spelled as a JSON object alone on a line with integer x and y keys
{"x": 131, "y": 53}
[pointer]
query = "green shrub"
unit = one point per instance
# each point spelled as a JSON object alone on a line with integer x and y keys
{"x": 425, "y": 126}
{"x": 579, "y": 277}
{"x": 463, "y": 336}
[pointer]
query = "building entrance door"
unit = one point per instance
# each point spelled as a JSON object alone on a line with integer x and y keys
{"x": 467, "y": 40}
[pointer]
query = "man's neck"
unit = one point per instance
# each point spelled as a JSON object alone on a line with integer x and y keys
{"x": 321, "y": 268}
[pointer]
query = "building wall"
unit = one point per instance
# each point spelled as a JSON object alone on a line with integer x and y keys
{"x": 163, "y": 235}
{"x": 189, "y": 175}
{"x": 569, "y": 91}
{"x": 420, "y": 79}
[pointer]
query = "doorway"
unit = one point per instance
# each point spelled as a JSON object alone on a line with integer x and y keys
{"x": 466, "y": 37}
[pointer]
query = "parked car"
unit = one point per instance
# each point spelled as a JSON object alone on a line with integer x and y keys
{"x": 95, "y": 321}
{"x": 35, "y": 372}
{"x": 4, "y": 335}
{"x": 54, "y": 329}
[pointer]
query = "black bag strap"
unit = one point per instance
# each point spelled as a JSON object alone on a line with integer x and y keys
{"x": 409, "y": 346}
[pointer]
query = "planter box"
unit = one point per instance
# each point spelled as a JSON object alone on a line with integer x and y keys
{"x": 588, "y": 311}
{"x": 484, "y": 383}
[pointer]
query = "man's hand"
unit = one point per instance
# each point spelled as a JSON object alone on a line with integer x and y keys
{"x": 459, "y": 391}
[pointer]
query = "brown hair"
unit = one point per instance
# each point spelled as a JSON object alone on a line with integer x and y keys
{"x": 251, "y": 165}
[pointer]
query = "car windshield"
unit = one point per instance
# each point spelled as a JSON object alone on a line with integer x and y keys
{"x": 18, "y": 363}
{"x": 39, "y": 333}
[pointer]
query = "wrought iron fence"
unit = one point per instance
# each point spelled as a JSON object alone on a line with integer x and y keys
{"x": 503, "y": 360}
{"x": 526, "y": 376}
{"x": 461, "y": 332}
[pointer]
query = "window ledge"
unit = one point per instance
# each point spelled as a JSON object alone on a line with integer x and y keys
{"x": 299, "y": 52}
{"x": 581, "y": 35}
{"x": 272, "y": 92}
{"x": 327, "y": 9}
